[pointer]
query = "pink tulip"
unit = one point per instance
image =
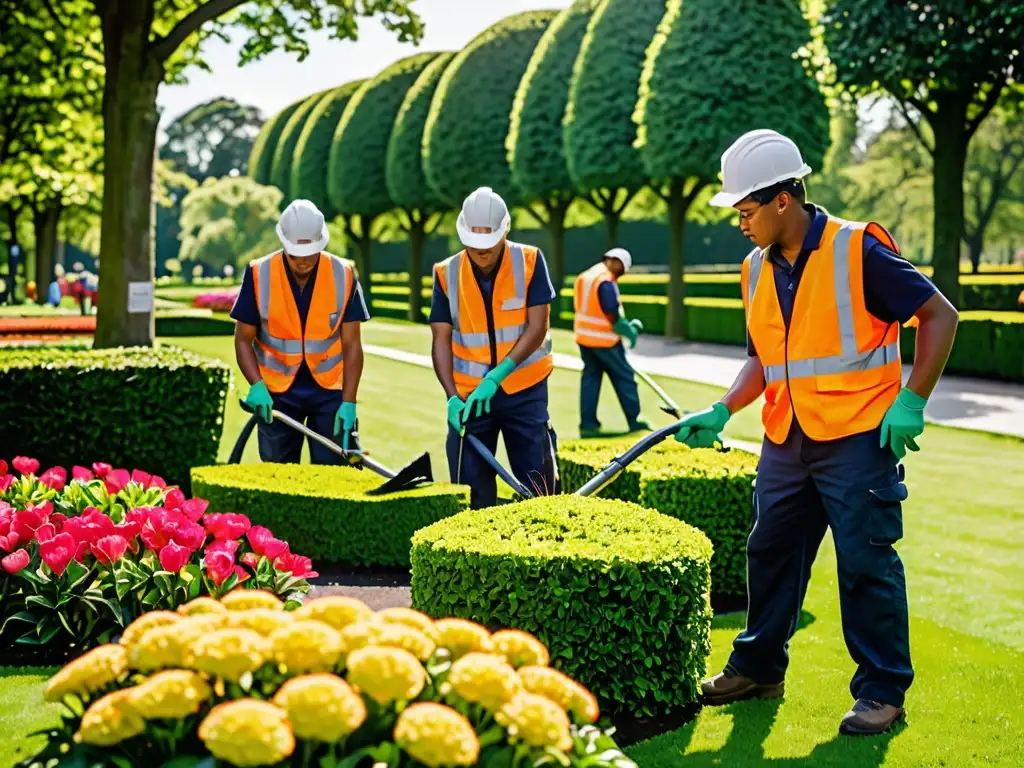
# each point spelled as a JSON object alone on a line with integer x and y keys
{"x": 3, "y": 467}
{"x": 251, "y": 559}
{"x": 224, "y": 545}
{"x": 139, "y": 515}
{"x": 174, "y": 557}
{"x": 25, "y": 465}
{"x": 174, "y": 499}
{"x": 110, "y": 549}
{"x": 55, "y": 478}
{"x": 8, "y": 542}
{"x": 220, "y": 565}
{"x": 81, "y": 473}
{"x": 190, "y": 535}
{"x": 6, "y": 518}
{"x": 157, "y": 482}
{"x": 227, "y": 526}
{"x": 298, "y": 566}
{"x": 241, "y": 573}
{"x": 263, "y": 543}
{"x": 15, "y": 561}
{"x": 116, "y": 480}
{"x": 102, "y": 469}
{"x": 46, "y": 532}
{"x": 27, "y": 521}
{"x": 57, "y": 520}
{"x": 6, "y": 482}
{"x": 90, "y": 526}
{"x": 194, "y": 509}
{"x": 58, "y": 552}
{"x": 141, "y": 478}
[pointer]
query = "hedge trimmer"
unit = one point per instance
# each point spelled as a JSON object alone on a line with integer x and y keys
{"x": 413, "y": 474}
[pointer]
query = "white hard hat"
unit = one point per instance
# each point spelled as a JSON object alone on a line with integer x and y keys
{"x": 483, "y": 209}
{"x": 302, "y": 220}
{"x": 622, "y": 255}
{"x": 757, "y": 159}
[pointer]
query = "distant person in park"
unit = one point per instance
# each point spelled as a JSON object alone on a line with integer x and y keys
{"x": 600, "y": 324}
{"x": 297, "y": 339}
{"x": 490, "y": 316}
{"x": 824, "y": 301}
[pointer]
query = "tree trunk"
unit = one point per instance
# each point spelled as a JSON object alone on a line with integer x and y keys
{"x": 130, "y": 119}
{"x": 976, "y": 245}
{"x": 45, "y": 221}
{"x": 951, "y": 142}
{"x": 675, "y": 316}
{"x": 417, "y": 237}
{"x": 556, "y": 262}
{"x": 612, "y": 218}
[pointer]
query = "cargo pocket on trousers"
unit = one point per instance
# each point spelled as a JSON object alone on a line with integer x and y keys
{"x": 887, "y": 513}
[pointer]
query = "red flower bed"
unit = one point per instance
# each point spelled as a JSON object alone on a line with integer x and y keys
{"x": 48, "y": 324}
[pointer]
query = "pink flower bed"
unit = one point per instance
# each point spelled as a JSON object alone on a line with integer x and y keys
{"x": 218, "y": 301}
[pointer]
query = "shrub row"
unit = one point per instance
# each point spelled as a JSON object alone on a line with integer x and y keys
{"x": 618, "y": 593}
{"x": 988, "y": 344}
{"x": 325, "y": 512}
{"x": 705, "y": 488}
{"x": 159, "y": 408}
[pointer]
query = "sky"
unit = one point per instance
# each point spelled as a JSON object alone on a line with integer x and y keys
{"x": 279, "y": 79}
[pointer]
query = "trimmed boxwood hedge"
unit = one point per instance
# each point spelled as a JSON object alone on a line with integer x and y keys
{"x": 324, "y": 511}
{"x": 709, "y": 490}
{"x": 158, "y": 409}
{"x": 618, "y": 593}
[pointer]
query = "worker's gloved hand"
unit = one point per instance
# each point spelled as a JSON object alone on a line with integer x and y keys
{"x": 480, "y": 398}
{"x": 639, "y": 326}
{"x": 703, "y": 429}
{"x": 903, "y": 422}
{"x": 260, "y": 401}
{"x": 625, "y": 328}
{"x": 455, "y": 407}
{"x": 344, "y": 421}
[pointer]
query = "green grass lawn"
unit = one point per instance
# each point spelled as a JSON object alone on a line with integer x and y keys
{"x": 964, "y": 532}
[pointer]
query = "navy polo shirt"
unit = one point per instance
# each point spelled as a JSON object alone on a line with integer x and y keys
{"x": 608, "y": 298}
{"x": 893, "y": 288}
{"x": 304, "y": 391}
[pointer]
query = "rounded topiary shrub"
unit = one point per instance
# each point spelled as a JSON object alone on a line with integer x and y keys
{"x": 325, "y": 512}
{"x": 618, "y": 593}
{"x": 708, "y": 489}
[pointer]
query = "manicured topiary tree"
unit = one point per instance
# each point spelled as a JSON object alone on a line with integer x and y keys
{"x": 536, "y": 153}
{"x": 464, "y": 138}
{"x": 284, "y": 152}
{"x": 696, "y": 98}
{"x": 598, "y": 128}
{"x": 407, "y": 184}
{"x": 356, "y": 180}
{"x": 261, "y": 159}
{"x": 313, "y": 149}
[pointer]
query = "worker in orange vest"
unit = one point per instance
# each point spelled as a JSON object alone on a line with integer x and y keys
{"x": 600, "y": 324}
{"x": 824, "y": 301}
{"x": 297, "y": 339}
{"x": 490, "y": 319}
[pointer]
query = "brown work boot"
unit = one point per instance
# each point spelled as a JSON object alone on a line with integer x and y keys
{"x": 728, "y": 686}
{"x": 868, "y": 718}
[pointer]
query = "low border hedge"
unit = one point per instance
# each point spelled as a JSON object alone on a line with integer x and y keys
{"x": 618, "y": 593}
{"x": 325, "y": 512}
{"x": 705, "y": 488}
{"x": 157, "y": 408}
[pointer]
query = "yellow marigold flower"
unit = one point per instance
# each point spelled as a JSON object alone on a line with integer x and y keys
{"x": 171, "y": 695}
{"x": 561, "y": 689}
{"x": 436, "y": 735}
{"x": 536, "y": 720}
{"x": 460, "y": 637}
{"x": 244, "y": 599}
{"x": 336, "y": 611}
{"x": 359, "y": 635}
{"x": 247, "y": 732}
{"x": 110, "y": 720}
{"x": 146, "y": 622}
{"x": 484, "y": 678}
{"x": 386, "y": 674}
{"x": 321, "y": 707}
{"x": 164, "y": 646}
{"x": 410, "y": 618}
{"x": 306, "y": 646}
{"x": 520, "y": 648}
{"x": 227, "y": 653}
{"x": 88, "y": 673}
{"x": 263, "y": 621}
{"x": 404, "y": 636}
{"x": 201, "y": 605}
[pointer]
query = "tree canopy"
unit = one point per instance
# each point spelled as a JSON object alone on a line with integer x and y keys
{"x": 284, "y": 151}
{"x": 261, "y": 160}
{"x": 464, "y": 138}
{"x": 214, "y": 138}
{"x": 357, "y": 171}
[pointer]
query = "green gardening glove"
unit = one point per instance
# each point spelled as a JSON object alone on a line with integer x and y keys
{"x": 625, "y": 328}
{"x": 455, "y": 407}
{"x": 703, "y": 429}
{"x": 903, "y": 422}
{"x": 344, "y": 422}
{"x": 260, "y": 401}
{"x": 486, "y": 389}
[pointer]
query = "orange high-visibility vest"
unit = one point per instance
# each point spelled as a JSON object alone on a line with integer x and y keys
{"x": 471, "y": 333}
{"x": 838, "y": 366}
{"x": 590, "y": 324}
{"x": 280, "y": 344}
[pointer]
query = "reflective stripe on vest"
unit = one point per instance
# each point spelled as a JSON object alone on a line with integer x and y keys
{"x": 298, "y": 346}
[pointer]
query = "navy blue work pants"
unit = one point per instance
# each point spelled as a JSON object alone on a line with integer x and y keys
{"x": 597, "y": 361}
{"x": 530, "y": 442}
{"x": 281, "y": 444}
{"x": 855, "y": 488}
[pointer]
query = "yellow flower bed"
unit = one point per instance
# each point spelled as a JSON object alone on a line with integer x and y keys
{"x": 256, "y": 684}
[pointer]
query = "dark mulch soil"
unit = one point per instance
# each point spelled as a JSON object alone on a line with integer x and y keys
{"x": 630, "y": 730}
{"x": 379, "y": 588}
